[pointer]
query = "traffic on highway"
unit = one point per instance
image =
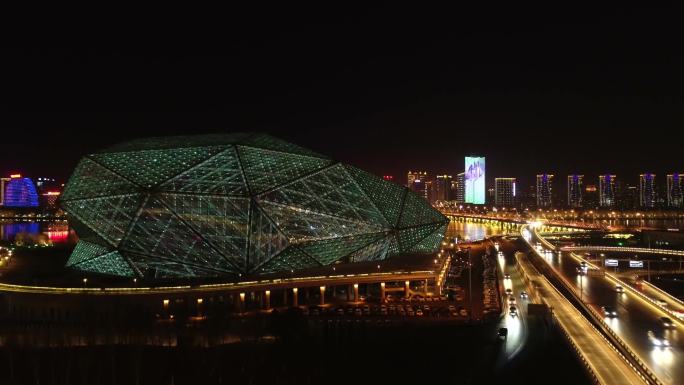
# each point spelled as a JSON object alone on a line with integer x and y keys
{"x": 647, "y": 329}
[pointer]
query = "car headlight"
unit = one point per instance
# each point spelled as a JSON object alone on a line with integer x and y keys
{"x": 656, "y": 342}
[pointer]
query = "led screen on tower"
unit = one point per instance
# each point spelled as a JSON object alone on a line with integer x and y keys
{"x": 475, "y": 180}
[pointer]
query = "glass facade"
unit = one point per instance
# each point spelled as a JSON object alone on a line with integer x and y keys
{"x": 235, "y": 205}
{"x": 20, "y": 192}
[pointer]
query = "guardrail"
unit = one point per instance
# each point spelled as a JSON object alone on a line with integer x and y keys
{"x": 597, "y": 322}
{"x": 591, "y": 372}
{"x": 663, "y": 292}
{"x": 643, "y": 250}
{"x": 629, "y": 287}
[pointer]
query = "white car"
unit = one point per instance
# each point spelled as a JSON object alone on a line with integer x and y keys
{"x": 619, "y": 288}
{"x": 658, "y": 339}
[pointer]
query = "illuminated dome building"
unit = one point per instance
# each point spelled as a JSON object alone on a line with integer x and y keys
{"x": 20, "y": 193}
{"x": 235, "y": 206}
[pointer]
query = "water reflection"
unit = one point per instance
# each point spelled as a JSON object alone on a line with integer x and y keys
{"x": 467, "y": 231}
{"x": 34, "y": 232}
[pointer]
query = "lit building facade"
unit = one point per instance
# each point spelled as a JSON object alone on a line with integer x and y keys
{"x": 3, "y": 183}
{"x": 647, "y": 190}
{"x": 544, "y": 190}
{"x": 458, "y": 186}
{"x": 417, "y": 182}
{"x": 20, "y": 192}
{"x": 607, "y": 188}
{"x": 505, "y": 192}
{"x": 675, "y": 199}
{"x": 442, "y": 188}
{"x": 235, "y": 206}
{"x": 575, "y": 190}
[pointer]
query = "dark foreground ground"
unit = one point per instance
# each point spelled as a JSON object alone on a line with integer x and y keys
{"x": 302, "y": 352}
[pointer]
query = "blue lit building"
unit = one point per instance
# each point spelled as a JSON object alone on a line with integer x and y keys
{"x": 20, "y": 192}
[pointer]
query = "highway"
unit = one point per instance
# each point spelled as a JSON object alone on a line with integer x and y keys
{"x": 635, "y": 316}
{"x": 518, "y": 327}
{"x": 603, "y": 360}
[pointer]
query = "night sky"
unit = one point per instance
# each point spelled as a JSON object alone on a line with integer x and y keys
{"x": 534, "y": 90}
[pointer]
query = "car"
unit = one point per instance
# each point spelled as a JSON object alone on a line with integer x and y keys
{"x": 463, "y": 312}
{"x": 459, "y": 298}
{"x": 609, "y": 311}
{"x": 503, "y": 332}
{"x": 619, "y": 288}
{"x": 523, "y": 294}
{"x": 661, "y": 302}
{"x": 340, "y": 311}
{"x": 419, "y": 313}
{"x": 357, "y": 312}
{"x": 426, "y": 308}
{"x": 452, "y": 308}
{"x": 314, "y": 312}
{"x": 507, "y": 276}
{"x": 509, "y": 291}
{"x": 666, "y": 322}
{"x": 511, "y": 300}
{"x": 658, "y": 339}
{"x": 383, "y": 311}
{"x": 410, "y": 312}
{"x": 513, "y": 311}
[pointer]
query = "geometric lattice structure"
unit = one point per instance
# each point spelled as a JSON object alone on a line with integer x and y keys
{"x": 231, "y": 205}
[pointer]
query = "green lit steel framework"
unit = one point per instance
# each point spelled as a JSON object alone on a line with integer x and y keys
{"x": 235, "y": 205}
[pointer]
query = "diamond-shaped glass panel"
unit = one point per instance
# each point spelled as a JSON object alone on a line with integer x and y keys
{"x": 271, "y": 143}
{"x": 109, "y": 217}
{"x": 265, "y": 239}
{"x": 330, "y": 191}
{"x": 266, "y": 169}
{"x": 159, "y": 232}
{"x": 386, "y": 196}
{"x": 91, "y": 180}
{"x": 431, "y": 242}
{"x": 292, "y": 258}
{"x": 150, "y": 167}
{"x": 305, "y": 225}
{"x": 376, "y": 251}
{"x": 221, "y": 221}
{"x": 221, "y": 175}
{"x": 84, "y": 251}
{"x": 111, "y": 263}
{"x": 152, "y": 267}
{"x": 416, "y": 211}
{"x": 330, "y": 250}
{"x": 410, "y": 236}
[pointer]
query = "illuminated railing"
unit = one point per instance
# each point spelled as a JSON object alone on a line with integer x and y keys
{"x": 643, "y": 250}
{"x": 205, "y": 287}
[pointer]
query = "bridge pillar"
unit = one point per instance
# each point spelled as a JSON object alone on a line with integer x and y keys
{"x": 267, "y": 299}
{"x": 295, "y": 301}
{"x": 356, "y": 292}
{"x": 242, "y": 302}
{"x": 425, "y": 288}
{"x": 406, "y": 288}
{"x": 285, "y": 297}
{"x": 382, "y": 292}
{"x": 349, "y": 289}
{"x": 322, "y": 288}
